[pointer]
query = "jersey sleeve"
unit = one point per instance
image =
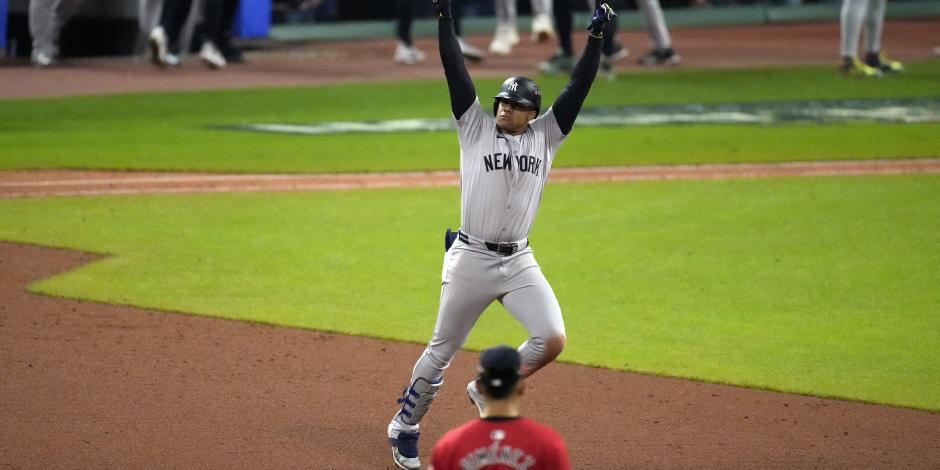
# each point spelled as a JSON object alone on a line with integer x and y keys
{"x": 471, "y": 124}
{"x": 547, "y": 127}
{"x": 440, "y": 455}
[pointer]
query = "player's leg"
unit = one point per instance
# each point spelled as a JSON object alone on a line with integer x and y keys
{"x": 563, "y": 60}
{"x": 874, "y": 25}
{"x": 405, "y": 52}
{"x": 41, "y": 27}
{"x": 506, "y": 35}
{"x": 542, "y": 22}
{"x": 465, "y": 292}
{"x": 536, "y": 307}
{"x": 850, "y": 20}
{"x": 662, "y": 53}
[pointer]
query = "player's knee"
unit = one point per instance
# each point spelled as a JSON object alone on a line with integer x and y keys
{"x": 554, "y": 345}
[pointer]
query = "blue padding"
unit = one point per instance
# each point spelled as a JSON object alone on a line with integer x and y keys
{"x": 406, "y": 443}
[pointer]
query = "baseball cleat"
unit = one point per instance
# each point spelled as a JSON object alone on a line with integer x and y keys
{"x": 159, "y": 50}
{"x": 617, "y": 54}
{"x": 853, "y": 67}
{"x": 475, "y": 396}
{"x": 660, "y": 58}
{"x": 558, "y": 63}
{"x": 469, "y": 51}
{"x": 42, "y": 59}
{"x": 881, "y": 62}
{"x": 542, "y": 28}
{"x": 212, "y": 56}
{"x": 504, "y": 38}
{"x": 408, "y": 55}
{"x": 404, "y": 447}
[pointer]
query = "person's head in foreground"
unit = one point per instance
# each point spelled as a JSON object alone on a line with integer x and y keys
{"x": 519, "y": 101}
{"x": 501, "y": 381}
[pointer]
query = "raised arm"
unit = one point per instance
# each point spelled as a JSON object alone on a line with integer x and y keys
{"x": 568, "y": 104}
{"x": 462, "y": 92}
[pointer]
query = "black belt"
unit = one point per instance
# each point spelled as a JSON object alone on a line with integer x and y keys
{"x": 504, "y": 249}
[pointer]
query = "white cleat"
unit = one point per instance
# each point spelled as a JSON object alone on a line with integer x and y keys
{"x": 159, "y": 50}
{"x": 505, "y": 37}
{"x": 408, "y": 55}
{"x": 469, "y": 51}
{"x": 42, "y": 59}
{"x": 212, "y": 56}
{"x": 404, "y": 443}
{"x": 475, "y": 397}
{"x": 542, "y": 28}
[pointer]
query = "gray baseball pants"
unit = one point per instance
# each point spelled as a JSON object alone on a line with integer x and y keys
{"x": 46, "y": 19}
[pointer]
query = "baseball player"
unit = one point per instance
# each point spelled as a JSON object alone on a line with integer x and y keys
{"x": 871, "y": 13}
{"x": 504, "y": 165}
{"x": 501, "y": 437}
{"x": 506, "y": 35}
{"x": 46, "y": 20}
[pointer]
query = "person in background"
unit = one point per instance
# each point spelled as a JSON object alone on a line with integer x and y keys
{"x": 506, "y": 35}
{"x": 405, "y": 51}
{"x": 217, "y": 23}
{"x": 661, "y": 54}
{"x": 520, "y": 442}
{"x": 563, "y": 60}
{"x": 871, "y": 14}
{"x": 164, "y": 38}
{"x": 46, "y": 19}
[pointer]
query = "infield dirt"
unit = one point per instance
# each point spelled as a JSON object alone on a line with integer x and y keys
{"x": 89, "y": 385}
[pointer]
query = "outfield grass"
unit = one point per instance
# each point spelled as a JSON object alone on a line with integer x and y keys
{"x": 171, "y": 131}
{"x": 824, "y": 286}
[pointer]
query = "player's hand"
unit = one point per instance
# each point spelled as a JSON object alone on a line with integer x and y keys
{"x": 442, "y": 7}
{"x": 603, "y": 14}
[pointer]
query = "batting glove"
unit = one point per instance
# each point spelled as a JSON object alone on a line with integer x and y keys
{"x": 603, "y": 14}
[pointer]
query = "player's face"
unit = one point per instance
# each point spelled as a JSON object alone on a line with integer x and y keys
{"x": 512, "y": 117}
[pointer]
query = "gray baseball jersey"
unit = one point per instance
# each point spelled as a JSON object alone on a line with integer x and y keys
{"x": 502, "y": 176}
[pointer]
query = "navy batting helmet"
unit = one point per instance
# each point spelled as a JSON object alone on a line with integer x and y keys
{"x": 519, "y": 90}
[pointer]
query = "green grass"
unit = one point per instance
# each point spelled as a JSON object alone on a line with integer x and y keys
{"x": 824, "y": 286}
{"x": 169, "y": 131}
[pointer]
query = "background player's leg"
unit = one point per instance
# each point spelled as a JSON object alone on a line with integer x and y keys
{"x": 506, "y": 35}
{"x": 542, "y": 22}
{"x": 41, "y": 27}
{"x": 851, "y": 16}
{"x": 874, "y": 24}
{"x": 851, "y": 19}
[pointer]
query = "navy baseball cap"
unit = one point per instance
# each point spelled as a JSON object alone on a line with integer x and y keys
{"x": 500, "y": 369}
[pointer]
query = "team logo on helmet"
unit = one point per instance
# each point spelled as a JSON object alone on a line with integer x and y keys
{"x": 513, "y": 86}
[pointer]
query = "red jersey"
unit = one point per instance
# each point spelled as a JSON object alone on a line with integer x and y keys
{"x": 499, "y": 444}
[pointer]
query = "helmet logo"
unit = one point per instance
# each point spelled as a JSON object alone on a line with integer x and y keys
{"x": 513, "y": 86}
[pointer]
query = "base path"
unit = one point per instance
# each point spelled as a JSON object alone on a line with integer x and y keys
{"x": 88, "y": 385}
{"x": 18, "y": 184}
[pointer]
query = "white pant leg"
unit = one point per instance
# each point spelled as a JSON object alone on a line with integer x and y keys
{"x": 874, "y": 24}
{"x": 469, "y": 285}
{"x": 853, "y": 12}
{"x": 42, "y": 25}
{"x": 542, "y": 7}
{"x": 535, "y": 306}
{"x": 655, "y": 23}
{"x": 505, "y": 11}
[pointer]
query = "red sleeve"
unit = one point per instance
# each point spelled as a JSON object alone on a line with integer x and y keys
{"x": 441, "y": 452}
{"x": 558, "y": 452}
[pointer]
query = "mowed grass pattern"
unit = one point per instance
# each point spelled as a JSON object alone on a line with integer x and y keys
{"x": 173, "y": 131}
{"x": 824, "y": 286}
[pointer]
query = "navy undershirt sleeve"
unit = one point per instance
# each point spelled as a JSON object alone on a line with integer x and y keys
{"x": 462, "y": 92}
{"x": 568, "y": 104}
